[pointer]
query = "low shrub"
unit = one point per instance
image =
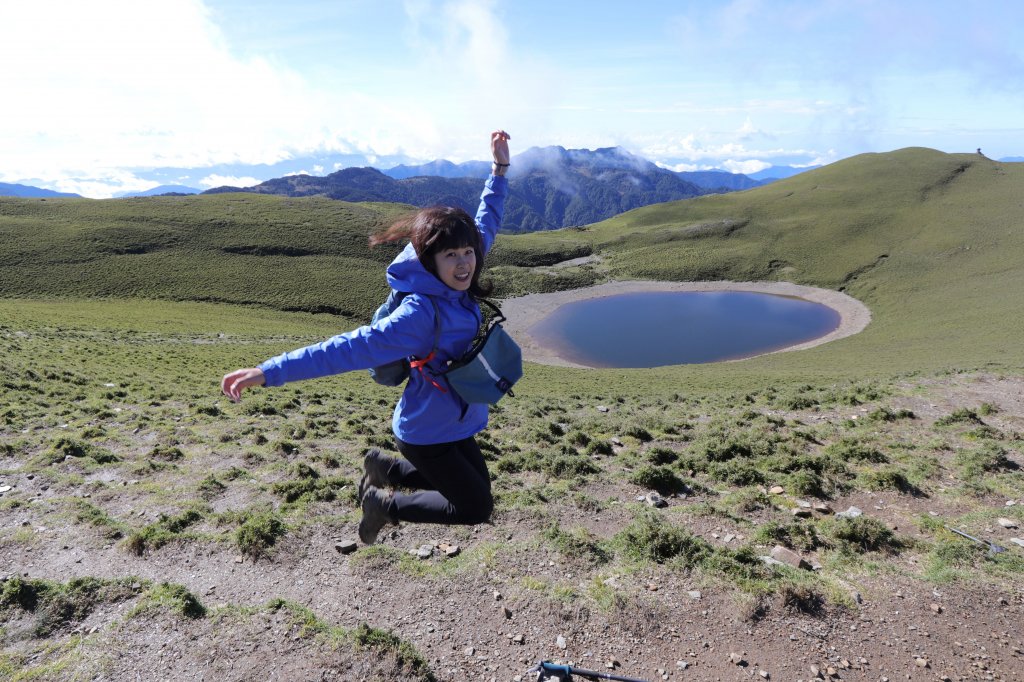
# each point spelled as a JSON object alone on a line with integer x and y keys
{"x": 650, "y": 538}
{"x": 259, "y": 532}
{"x": 861, "y": 534}
{"x": 660, "y": 478}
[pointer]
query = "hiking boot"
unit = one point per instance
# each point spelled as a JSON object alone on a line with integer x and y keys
{"x": 375, "y": 471}
{"x": 375, "y": 514}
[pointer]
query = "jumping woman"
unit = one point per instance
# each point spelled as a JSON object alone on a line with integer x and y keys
{"x": 434, "y": 428}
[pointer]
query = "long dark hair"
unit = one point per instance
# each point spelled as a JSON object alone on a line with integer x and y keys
{"x": 435, "y": 229}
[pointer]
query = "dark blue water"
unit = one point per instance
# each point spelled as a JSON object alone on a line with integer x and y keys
{"x": 651, "y": 329}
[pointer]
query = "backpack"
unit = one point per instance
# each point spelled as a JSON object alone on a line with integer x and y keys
{"x": 395, "y": 373}
{"x": 484, "y": 374}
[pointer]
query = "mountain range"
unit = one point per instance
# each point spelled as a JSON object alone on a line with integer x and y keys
{"x": 550, "y": 187}
{"x": 28, "y": 191}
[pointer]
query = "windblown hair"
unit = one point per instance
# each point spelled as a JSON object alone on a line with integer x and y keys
{"x": 435, "y": 229}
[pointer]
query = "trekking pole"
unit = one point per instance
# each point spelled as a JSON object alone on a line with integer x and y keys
{"x": 993, "y": 548}
{"x": 547, "y": 671}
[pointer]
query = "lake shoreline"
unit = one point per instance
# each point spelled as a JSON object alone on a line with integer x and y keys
{"x": 526, "y": 311}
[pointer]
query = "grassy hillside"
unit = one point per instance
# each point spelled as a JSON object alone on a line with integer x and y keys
{"x": 931, "y": 242}
{"x": 302, "y": 254}
{"x": 142, "y": 507}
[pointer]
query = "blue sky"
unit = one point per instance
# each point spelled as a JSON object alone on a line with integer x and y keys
{"x": 98, "y": 94}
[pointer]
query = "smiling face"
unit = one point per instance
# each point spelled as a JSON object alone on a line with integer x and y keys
{"x": 455, "y": 267}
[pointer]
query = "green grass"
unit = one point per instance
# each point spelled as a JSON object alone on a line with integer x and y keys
{"x": 110, "y": 385}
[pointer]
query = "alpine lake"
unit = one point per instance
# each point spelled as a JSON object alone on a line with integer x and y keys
{"x": 657, "y": 328}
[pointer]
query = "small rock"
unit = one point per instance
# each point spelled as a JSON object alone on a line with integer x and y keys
{"x": 831, "y": 672}
{"x": 936, "y": 608}
{"x": 519, "y": 639}
{"x": 560, "y": 642}
{"x": 851, "y": 513}
{"x": 737, "y": 659}
{"x": 788, "y": 556}
{"x": 612, "y": 664}
{"x": 1003, "y": 521}
{"x": 602, "y": 408}
{"x": 776, "y": 490}
{"x": 729, "y": 538}
{"x": 506, "y": 611}
{"x": 682, "y": 665}
{"x": 655, "y": 500}
{"x": 4, "y": 488}
{"x": 497, "y": 596}
{"x": 764, "y": 674}
{"x": 1017, "y": 541}
{"x": 469, "y": 651}
{"x": 425, "y": 552}
{"x": 239, "y": 559}
{"x": 449, "y": 549}
{"x": 922, "y": 662}
{"x": 345, "y": 546}
{"x": 815, "y": 672}
{"x": 822, "y": 508}
{"x": 694, "y": 594}
{"x": 801, "y": 513}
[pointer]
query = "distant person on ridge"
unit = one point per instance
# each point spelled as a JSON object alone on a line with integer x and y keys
{"x": 434, "y": 429}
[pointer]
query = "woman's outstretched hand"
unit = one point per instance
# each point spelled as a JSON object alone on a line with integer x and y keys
{"x": 499, "y": 147}
{"x": 234, "y": 382}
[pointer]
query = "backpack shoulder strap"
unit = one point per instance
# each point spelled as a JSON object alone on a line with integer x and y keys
{"x": 499, "y": 316}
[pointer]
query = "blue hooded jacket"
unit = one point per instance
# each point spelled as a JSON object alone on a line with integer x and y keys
{"x": 424, "y": 415}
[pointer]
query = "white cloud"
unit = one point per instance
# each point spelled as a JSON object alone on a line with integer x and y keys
{"x": 745, "y": 167}
{"x": 228, "y": 181}
{"x": 111, "y": 84}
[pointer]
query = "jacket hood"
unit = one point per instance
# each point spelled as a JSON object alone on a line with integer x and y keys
{"x": 406, "y": 273}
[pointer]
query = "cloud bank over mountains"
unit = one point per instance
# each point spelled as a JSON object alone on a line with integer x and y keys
{"x": 116, "y": 95}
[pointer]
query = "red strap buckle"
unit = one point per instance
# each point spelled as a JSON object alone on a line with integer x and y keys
{"x": 419, "y": 364}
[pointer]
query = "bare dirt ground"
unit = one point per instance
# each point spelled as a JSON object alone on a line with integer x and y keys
{"x": 511, "y": 597}
{"x": 493, "y": 611}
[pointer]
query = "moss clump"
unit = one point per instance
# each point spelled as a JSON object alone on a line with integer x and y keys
{"x": 660, "y": 478}
{"x": 175, "y": 597}
{"x": 861, "y": 534}
{"x": 259, "y": 532}
{"x": 964, "y": 415}
{"x": 407, "y": 658}
{"x": 309, "y": 486}
{"x": 797, "y": 535}
{"x": 577, "y": 543}
{"x": 164, "y": 530}
{"x": 650, "y": 538}
{"x": 65, "y": 447}
{"x": 166, "y": 453}
{"x": 58, "y": 606}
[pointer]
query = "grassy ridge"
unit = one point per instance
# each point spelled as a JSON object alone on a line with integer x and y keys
{"x": 301, "y": 254}
{"x": 931, "y": 242}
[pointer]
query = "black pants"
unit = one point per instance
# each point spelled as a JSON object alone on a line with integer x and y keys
{"x": 451, "y": 483}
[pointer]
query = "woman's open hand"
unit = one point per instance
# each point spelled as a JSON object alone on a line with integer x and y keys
{"x": 234, "y": 382}
{"x": 499, "y": 147}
